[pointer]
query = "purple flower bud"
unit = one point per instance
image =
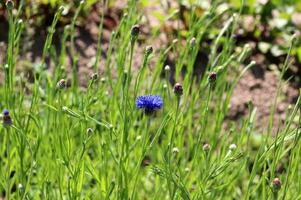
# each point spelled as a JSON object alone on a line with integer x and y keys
{"x": 178, "y": 89}
{"x": 135, "y": 30}
{"x": 212, "y": 77}
{"x": 7, "y": 121}
{"x": 276, "y": 184}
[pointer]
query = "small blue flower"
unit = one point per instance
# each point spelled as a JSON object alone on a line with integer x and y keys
{"x": 149, "y": 103}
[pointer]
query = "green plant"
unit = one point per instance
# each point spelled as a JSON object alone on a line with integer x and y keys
{"x": 69, "y": 143}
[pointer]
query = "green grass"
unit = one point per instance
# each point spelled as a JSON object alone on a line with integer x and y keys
{"x": 70, "y": 143}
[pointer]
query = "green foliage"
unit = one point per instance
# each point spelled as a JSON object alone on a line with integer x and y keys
{"x": 93, "y": 143}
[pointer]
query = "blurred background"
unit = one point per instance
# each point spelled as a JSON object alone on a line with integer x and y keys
{"x": 266, "y": 25}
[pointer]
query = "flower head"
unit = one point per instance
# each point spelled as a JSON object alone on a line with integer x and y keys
{"x": 149, "y": 103}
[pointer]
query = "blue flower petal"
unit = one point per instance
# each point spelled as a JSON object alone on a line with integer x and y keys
{"x": 149, "y": 102}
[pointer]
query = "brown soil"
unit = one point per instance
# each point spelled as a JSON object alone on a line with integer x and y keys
{"x": 261, "y": 93}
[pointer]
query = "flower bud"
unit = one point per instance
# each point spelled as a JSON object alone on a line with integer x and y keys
{"x": 175, "y": 150}
{"x": 7, "y": 121}
{"x": 212, "y": 77}
{"x": 167, "y": 68}
{"x": 94, "y": 76}
{"x": 135, "y": 30}
{"x": 138, "y": 137}
{"x": 9, "y": 4}
{"x": 20, "y": 186}
{"x": 61, "y": 8}
{"x": 206, "y": 147}
{"x": 149, "y": 50}
{"x": 232, "y": 147}
{"x": 276, "y": 184}
{"x": 103, "y": 79}
{"x": 178, "y": 89}
{"x": 89, "y": 131}
{"x": 192, "y": 42}
{"x": 61, "y": 84}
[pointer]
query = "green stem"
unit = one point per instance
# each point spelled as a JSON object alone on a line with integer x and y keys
{"x": 8, "y": 163}
{"x": 172, "y": 193}
{"x": 144, "y": 149}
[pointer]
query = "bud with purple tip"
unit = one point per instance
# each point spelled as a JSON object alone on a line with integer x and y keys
{"x": 178, "y": 89}
{"x": 276, "y": 184}
{"x": 7, "y": 121}
{"x": 135, "y": 30}
{"x": 212, "y": 77}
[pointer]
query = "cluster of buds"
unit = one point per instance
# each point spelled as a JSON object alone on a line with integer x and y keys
{"x": 7, "y": 121}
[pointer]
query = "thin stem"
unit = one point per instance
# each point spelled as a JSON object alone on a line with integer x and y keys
{"x": 144, "y": 150}
{"x": 170, "y": 145}
{"x": 8, "y": 163}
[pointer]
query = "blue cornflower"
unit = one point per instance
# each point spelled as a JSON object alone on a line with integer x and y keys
{"x": 149, "y": 103}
